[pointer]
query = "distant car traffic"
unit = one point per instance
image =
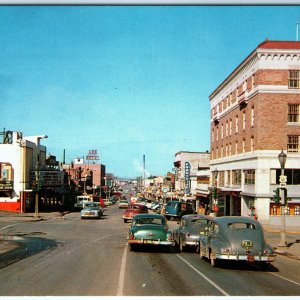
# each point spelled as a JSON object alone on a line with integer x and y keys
{"x": 91, "y": 210}
{"x": 107, "y": 202}
{"x": 123, "y": 203}
{"x": 132, "y": 210}
{"x": 235, "y": 238}
{"x": 187, "y": 235}
{"x": 149, "y": 229}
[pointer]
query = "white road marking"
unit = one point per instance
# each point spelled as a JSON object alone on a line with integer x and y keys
{"x": 206, "y": 278}
{"x": 284, "y": 278}
{"x": 8, "y": 226}
{"x": 122, "y": 273}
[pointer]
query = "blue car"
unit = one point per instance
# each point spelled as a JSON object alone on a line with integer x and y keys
{"x": 177, "y": 209}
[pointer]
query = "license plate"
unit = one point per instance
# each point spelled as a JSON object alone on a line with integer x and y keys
{"x": 250, "y": 258}
{"x": 148, "y": 242}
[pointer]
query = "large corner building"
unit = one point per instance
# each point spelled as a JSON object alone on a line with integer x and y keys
{"x": 254, "y": 115}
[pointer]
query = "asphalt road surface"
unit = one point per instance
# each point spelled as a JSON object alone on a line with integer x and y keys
{"x": 70, "y": 256}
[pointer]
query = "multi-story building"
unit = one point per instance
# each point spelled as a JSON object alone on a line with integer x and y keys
{"x": 87, "y": 177}
{"x": 192, "y": 176}
{"x": 254, "y": 115}
{"x": 25, "y": 172}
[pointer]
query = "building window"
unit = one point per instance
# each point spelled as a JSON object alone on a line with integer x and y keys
{"x": 221, "y": 178}
{"x": 244, "y": 146}
{"x": 222, "y": 131}
{"x": 293, "y": 115}
{"x": 230, "y": 150}
{"x": 226, "y": 150}
{"x": 217, "y": 132}
{"x": 221, "y": 151}
{"x": 249, "y": 176}
{"x": 293, "y": 143}
{"x": 236, "y": 147}
{"x": 230, "y": 127}
{"x": 294, "y": 78}
{"x": 236, "y": 177}
{"x": 236, "y": 124}
{"x": 228, "y": 177}
{"x": 252, "y": 143}
{"x": 217, "y": 153}
{"x": 252, "y": 116}
{"x": 252, "y": 83}
{"x": 226, "y": 128}
{"x": 244, "y": 120}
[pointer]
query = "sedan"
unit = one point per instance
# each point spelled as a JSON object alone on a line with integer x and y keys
{"x": 149, "y": 229}
{"x": 123, "y": 203}
{"x": 92, "y": 210}
{"x": 134, "y": 209}
{"x": 236, "y": 239}
{"x": 187, "y": 235}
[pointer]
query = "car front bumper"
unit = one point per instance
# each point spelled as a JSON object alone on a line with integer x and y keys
{"x": 244, "y": 257}
{"x": 151, "y": 242}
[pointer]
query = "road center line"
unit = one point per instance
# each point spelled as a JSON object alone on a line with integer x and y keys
{"x": 285, "y": 278}
{"x": 122, "y": 272}
{"x": 206, "y": 278}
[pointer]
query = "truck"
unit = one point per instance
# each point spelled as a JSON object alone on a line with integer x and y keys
{"x": 81, "y": 200}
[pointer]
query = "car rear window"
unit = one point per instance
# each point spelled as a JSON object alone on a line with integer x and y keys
{"x": 197, "y": 222}
{"x": 241, "y": 225}
{"x": 150, "y": 221}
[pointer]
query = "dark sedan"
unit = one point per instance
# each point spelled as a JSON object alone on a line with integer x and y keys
{"x": 187, "y": 235}
{"x": 235, "y": 239}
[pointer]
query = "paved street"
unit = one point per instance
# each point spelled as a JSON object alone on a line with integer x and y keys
{"x": 69, "y": 256}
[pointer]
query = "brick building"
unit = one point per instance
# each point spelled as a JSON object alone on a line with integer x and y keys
{"x": 254, "y": 115}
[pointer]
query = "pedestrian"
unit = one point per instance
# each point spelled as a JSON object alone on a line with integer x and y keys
{"x": 252, "y": 213}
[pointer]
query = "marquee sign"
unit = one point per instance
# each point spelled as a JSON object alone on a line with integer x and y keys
{"x": 93, "y": 155}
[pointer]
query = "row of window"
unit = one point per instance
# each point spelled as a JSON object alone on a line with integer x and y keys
{"x": 232, "y": 98}
{"x": 228, "y": 151}
{"x": 227, "y": 131}
{"x": 234, "y": 177}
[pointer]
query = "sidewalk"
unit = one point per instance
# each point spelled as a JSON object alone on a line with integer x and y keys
{"x": 272, "y": 237}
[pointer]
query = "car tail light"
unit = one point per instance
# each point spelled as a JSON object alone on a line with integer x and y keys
{"x": 169, "y": 237}
{"x": 266, "y": 251}
{"x": 131, "y": 236}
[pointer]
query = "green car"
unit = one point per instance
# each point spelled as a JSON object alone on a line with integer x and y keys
{"x": 149, "y": 229}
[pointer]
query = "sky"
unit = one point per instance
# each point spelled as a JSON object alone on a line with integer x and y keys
{"x": 126, "y": 81}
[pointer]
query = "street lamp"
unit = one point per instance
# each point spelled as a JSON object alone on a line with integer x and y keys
{"x": 282, "y": 160}
{"x": 37, "y": 174}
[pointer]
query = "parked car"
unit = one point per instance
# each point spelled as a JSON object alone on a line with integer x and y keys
{"x": 187, "y": 235}
{"x": 149, "y": 229}
{"x": 91, "y": 210}
{"x": 237, "y": 239}
{"x": 177, "y": 209}
{"x": 123, "y": 203}
{"x": 134, "y": 209}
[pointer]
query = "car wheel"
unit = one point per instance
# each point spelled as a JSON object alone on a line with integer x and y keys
{"x": 213, "y": 260}
{"x": 201, "y": 252}
{"x": 168, "y": 218}
{"x": 132, "y": 247}
{"x": 181, "y": 247}
{"x": 125, "y": 221}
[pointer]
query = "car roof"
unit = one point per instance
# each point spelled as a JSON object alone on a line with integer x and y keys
{"x": 194, "y": 216}
{"x": 235, "y": 219}
{"x": 150, "y": 216}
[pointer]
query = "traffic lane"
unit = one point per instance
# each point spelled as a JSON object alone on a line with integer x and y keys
{"x": 243, "y": 279}
{"x": 157, "y": 272}
{"x": 86, "y": 261}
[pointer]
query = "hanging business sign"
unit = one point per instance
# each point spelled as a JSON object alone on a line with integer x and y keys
{"x": 187, "y": 173}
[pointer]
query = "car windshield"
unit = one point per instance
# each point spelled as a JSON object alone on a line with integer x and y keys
{"x": 172, "y": 204}
{"x": 241, "y": 225}
{"x": 94, "y": 205}
{"x": 197, "y": 222}
{"x": 151, "y": 221}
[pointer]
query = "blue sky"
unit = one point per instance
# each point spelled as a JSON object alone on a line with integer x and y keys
{"x": 125, "y": 80}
